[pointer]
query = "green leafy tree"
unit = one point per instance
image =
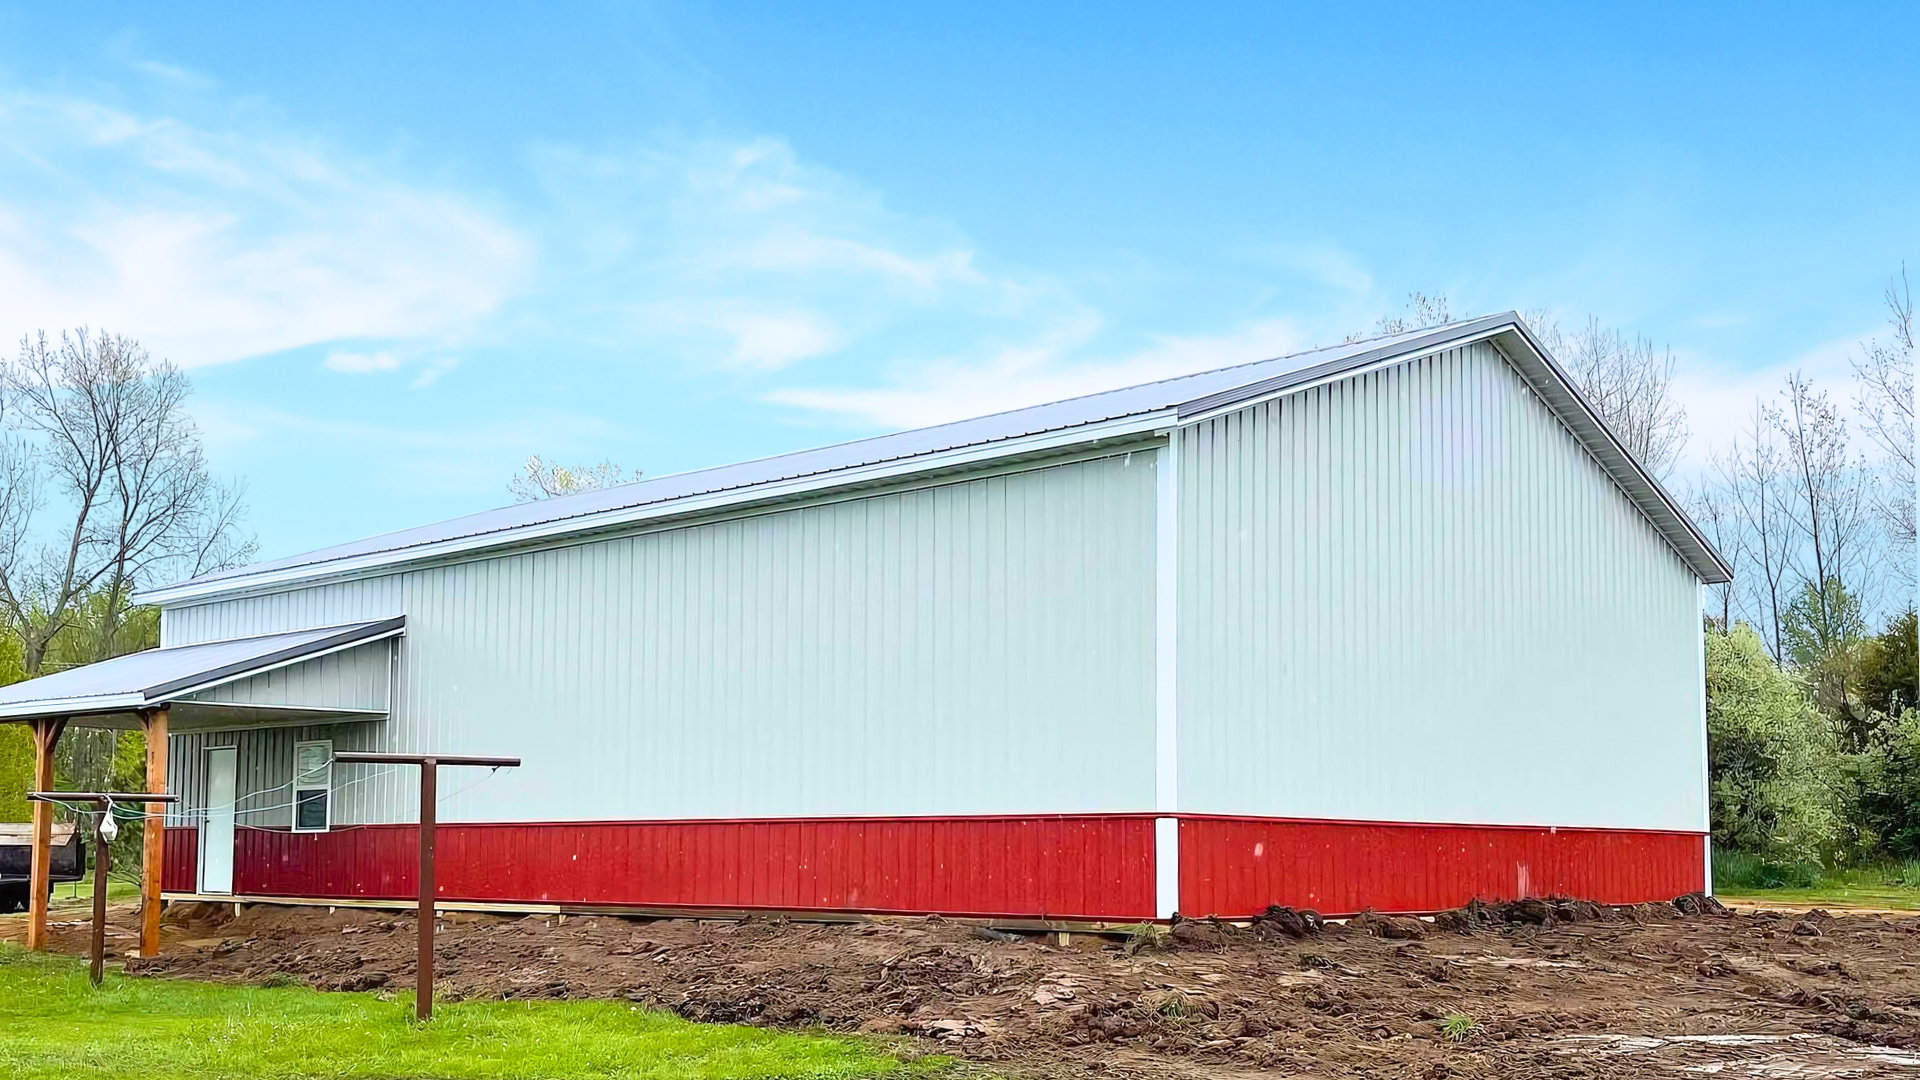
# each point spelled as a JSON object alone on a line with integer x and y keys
{"x": 1774, "y": 767}
{"x": 1824, "y": 638}
{"x": 1888, "y": 793}
{"x": 1890, "y": 668}
{"x": 1821, "y": 620}
{"x": 16, "y": 743}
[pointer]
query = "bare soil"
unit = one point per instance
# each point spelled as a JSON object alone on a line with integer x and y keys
{"x": 1530, "y": 989}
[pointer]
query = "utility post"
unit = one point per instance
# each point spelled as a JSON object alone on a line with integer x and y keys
{"x": 104, "y": 830}
{"x": 429, "y": 782}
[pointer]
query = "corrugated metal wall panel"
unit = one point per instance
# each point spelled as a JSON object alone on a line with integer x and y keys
{"x": 1411, "y": 595}
{"x": 356, "y": 678}
{"x": 1079, "y": 867}
{"x": 265, "y": 772}
{"x": 180, "y": 860}
{"x": 814, "y": 661}
{"x": 983, "y": 646}
{"x": 1235, "y": 868}
{"x": 300, "y": 609}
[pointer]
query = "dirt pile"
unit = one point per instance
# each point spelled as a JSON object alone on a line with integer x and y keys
{"x": 1550, "y": 988}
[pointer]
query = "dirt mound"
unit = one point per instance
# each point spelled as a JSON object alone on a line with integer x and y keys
{"x": 1539, "y": 988}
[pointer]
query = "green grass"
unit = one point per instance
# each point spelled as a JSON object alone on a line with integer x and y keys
{"x": 1742, "y": 876}
{"x": 81, "y": 892}
{"x": 53, "y": 1026}
{"x": 1460, "y": 1027}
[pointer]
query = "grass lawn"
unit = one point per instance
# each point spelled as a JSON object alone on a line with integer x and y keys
{"x": 54, "y": 1026}
{"x": 81, "y": 892}
{"x": 1739, "y": 878}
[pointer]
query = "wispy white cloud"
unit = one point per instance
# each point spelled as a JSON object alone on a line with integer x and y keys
{"x": 432, "y": 370}
{"x": 360, "y": 363}
{"x": 219, "y": 241}
{"x": 216, "y": 244}
{"x": 741, "y": 255}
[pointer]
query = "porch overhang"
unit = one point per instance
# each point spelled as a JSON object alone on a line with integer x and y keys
{"x": 187, "y": 679}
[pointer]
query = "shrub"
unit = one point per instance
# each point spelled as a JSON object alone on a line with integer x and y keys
{"x": 1887, "y": 795}
{"x": 1773, "y": 761}
{"x": 1735, "y": 871}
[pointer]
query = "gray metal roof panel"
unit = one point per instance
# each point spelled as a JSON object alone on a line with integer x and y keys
{"x": 997, "y": 427}
{"x": 155, "y": 674}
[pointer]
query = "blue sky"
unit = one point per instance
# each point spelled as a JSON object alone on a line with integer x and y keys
{"x": 403, "y": 246}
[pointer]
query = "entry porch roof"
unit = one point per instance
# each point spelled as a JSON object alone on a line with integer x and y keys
{"x": 112, "y": 693}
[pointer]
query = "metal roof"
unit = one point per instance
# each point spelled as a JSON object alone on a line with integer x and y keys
{"x": 1130, "y": 410}
{"x": 145, "y": 679}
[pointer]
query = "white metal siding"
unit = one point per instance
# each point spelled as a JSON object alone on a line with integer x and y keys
{"x": 356, "y": 678}
{"x": 300, "y": 609}
{"x": 1413, "y": 596}
{"x": 264, "y": 782}
{"x": 983, "y": 646}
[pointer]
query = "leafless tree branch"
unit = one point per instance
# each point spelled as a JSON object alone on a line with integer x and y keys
{"x": 105, "y": 424}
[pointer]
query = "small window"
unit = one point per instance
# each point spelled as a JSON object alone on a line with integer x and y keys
{"x": 312, "y": 786}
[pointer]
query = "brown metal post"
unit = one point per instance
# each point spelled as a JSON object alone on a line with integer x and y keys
{"x": 153, "y": 844}
{"x": 429, "y": 797}
{"x": 46, "y": 735}
{"x": 423, "y": 992}
{"x": 101, "y": 858}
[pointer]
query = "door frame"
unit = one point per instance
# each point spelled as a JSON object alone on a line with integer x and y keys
{"x": 207, "y": 848}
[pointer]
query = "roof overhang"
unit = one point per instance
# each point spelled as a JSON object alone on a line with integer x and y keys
{"x": 113, "y": 693}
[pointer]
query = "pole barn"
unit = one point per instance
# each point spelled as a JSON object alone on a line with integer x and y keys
{"x": 1394, "y": 624}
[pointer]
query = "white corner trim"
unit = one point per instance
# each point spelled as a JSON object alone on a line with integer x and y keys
{"x": 1166, "y": 627}
{"x": 1166, "y": 867}
{"x": 1706, "y": 762}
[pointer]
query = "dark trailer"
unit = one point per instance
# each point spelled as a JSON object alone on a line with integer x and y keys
{"x": 16, "y": 861}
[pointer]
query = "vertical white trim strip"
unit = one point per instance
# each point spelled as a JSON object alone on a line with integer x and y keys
{"x": 1706, "y": 763}
{"x": 1166, "y": 867}
{"x": 1166, "y": 726}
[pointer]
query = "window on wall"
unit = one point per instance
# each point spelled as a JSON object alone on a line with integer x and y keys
{"x": 312, "y": 786}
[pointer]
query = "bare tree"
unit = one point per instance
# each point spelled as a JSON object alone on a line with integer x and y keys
{"x": 1629, "y": 381}
{"x": 104, "y": 429}
{"x": 1831, "y": 509}
{"x": 543, "y": 481}
{"x": 1422, "y": 311}
{"x": 1717, "y": 512}
{"x": 1750, "y": 478}
{"x": 1884, "y": 380}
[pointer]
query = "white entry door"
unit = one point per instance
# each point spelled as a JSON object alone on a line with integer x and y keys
{"x": 216, "y": 839}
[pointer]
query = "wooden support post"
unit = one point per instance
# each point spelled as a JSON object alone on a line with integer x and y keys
{"x": 153, "y": 847}
{"x": 46, "y": 735}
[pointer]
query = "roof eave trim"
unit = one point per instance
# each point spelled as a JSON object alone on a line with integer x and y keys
{"x": 1144, "y": 423}
{"x": 74, "y": 706}
{"x": 365, "y": 634}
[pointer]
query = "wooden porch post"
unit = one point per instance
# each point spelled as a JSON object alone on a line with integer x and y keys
{"x": 46, "y": 735}
{"x": 153, "y": 842}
